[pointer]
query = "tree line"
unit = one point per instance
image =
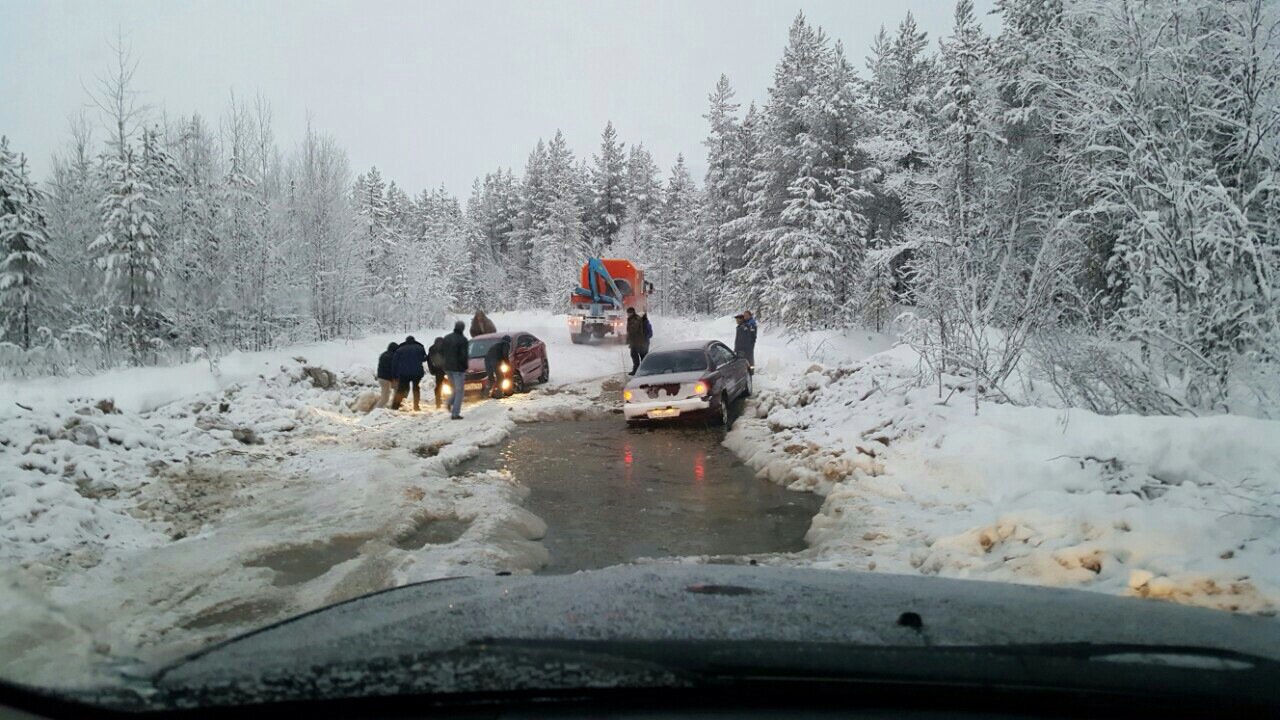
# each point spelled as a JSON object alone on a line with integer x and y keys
{"x": 1088, "y": 197}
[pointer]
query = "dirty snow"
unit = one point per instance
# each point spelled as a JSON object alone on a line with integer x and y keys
{"x": 145, "y": 512}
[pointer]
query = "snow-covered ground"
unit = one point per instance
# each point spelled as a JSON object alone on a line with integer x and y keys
{"x": 1183, "y": 509}
{"x": 196, "y": 505}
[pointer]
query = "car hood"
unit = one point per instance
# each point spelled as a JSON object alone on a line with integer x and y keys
{"x": 649, "y": 625}
{"x": 640, "y": 381}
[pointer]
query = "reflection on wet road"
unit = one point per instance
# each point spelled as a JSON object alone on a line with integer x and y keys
{"x": 611, "y": 495}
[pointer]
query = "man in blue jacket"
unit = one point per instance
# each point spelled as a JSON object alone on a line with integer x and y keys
{"x": 409, "y": 358}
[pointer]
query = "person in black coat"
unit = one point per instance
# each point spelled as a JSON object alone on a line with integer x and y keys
{"x": 454, "y": 348}
{"x": 744, "y": 339}
{"x": 435, "y": 366}
{"x": 409, "y": 358}
{"x": 639, "y": 332}
{"x": 386, "y": 374}
{"x": 493, "y": 357}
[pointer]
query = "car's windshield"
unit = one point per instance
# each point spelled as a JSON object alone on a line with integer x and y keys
{"x": 674, "y": 361}
{"x": 478, "y": 348}
{"x": 980, "y": 290}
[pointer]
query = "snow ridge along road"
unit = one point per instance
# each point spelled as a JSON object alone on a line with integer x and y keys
{"x": 1180, "y": 509}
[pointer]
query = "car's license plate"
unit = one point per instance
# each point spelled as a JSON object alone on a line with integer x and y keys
{"x": 473, "y": 386}
{"x": 664, "y": 413}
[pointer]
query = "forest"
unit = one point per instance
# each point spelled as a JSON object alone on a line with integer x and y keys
{"x": 1086, "y": 201}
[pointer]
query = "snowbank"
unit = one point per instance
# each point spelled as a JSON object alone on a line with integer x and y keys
{"x": 149, "y": 532}
{"x": 1174, "y": 508}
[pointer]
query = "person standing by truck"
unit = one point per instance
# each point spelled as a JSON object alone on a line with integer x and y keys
{"x": 744, "y": 340}
{"x": 454, "y": 348}
{"x": 639, "y": 332}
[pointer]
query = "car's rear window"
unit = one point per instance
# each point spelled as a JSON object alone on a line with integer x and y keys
{"x": 676, "y": 361}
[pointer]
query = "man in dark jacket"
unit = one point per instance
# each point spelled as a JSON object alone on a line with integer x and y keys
{"x": 386, "y": 374}
{"x": 493, "y": 357}
{"x": 744, "y": 340}
{"x": 639, "y": 331}
{"x": 409, "y": 358}
{"x": 454, "y": 348}
{"x": 435, "y": 365}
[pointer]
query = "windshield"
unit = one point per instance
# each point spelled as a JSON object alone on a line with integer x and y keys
{"x": 478, "y": 348}
{"x": 678, "y": 361}
{"x": 988, "y": 290}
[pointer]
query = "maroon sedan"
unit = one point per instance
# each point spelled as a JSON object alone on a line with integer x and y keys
{"x": 524, "y": 366}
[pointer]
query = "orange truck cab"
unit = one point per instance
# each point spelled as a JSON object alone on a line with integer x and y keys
{"x": 598, "y": 306}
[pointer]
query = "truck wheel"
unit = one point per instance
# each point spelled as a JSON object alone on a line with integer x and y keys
{"x": 576, "y": 338}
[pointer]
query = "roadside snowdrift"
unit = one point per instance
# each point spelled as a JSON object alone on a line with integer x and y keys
{"x": 125, "y": 531}
{"x": 1172, "y": 508}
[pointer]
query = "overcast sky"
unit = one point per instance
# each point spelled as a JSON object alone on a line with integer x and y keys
{"x": 430, "y": 92}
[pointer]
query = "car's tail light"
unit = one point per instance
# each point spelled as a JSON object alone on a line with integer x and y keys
{"x": 504, "y": 367}
{"x": 700, "y": 387}
{"x": 506, "y": 383}
{"x": 626, "y": 395}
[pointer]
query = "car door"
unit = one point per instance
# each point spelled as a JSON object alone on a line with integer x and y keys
{"x": 726, "y": 363}
{"x": 527, "y": 359}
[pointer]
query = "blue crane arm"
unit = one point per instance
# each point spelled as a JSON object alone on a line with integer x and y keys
{"x": 596, "y": 270}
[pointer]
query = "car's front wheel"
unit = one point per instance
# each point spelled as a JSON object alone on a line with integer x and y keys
{"x": 746, "y": 389}
{"x": 546, "y": 372}
{"x": 517, "y": 382}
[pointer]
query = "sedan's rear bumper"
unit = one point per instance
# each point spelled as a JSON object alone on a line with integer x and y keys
{"x": 664, "y": 409}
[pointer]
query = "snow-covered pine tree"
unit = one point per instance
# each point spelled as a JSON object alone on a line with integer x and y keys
{"x": 373, "y": 212}
{"x": 724, "y": 201}
{"x": 196, "y": 259}
{"x": 895, "y": 145}
{"x": 608, "y": 190}
{"x": 681, "y": 256}
{"x": 524, "y": 267}
{"x": 322, "y": 246}
{"x": 24, "y": 251}
{"x": 808, "y": 170}
{"x": 559, "y": 245}
{"x": 128, "y": 253}
{"x": 72, "y": 213}
{"x": 644, "y": 202}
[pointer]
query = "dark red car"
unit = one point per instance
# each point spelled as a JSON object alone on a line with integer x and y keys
{"x": 525, "y": 366}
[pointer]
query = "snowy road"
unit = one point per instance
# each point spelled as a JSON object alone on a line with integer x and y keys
{"x": 194, "y": 506}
